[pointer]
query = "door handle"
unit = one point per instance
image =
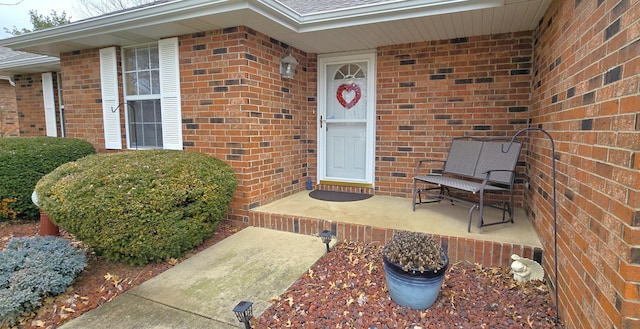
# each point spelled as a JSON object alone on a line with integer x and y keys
{"x": 321, "y": 121}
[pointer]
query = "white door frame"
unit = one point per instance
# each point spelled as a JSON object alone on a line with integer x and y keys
{"x": 324, "y": 60}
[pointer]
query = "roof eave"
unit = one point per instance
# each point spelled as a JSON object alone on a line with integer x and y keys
{"x": 165, "y": 13}
{"x": 389, "y": 12}
{"x": 28, "y": 65}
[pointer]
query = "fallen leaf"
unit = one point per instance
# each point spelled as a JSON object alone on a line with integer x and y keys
{"x": 68, "y": 309}
{"x": 350, "y": 301}
{"x": 38, "y": 323}
{"x": 371, "y": 267}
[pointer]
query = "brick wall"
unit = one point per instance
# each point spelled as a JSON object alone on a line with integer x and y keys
{"x": 431, "y": 92}
{"x": 83, "y": 97}
{"x": 582, "y": 85}
{"x": 586, "y": 85}
{"x": 30, "y": 104}
{"x": 9, "y": 125}
{"x": 237, "y": 107}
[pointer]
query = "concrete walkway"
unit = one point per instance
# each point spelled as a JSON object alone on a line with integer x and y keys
{"x": 254, "y": 264}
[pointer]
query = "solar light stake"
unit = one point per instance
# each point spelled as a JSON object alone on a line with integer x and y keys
{"x": 244, "y": 312}
{"x": 326, "y": 238}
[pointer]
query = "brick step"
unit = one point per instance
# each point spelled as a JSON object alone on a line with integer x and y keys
{"x": 459, "y": 249}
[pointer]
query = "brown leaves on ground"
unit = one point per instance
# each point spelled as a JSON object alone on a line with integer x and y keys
{"x": 99, "y": 283}
{"x": 347, "y": 289}
{"x": 344, "y": 289}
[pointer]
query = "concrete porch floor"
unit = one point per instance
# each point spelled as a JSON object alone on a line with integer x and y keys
{"x": 381, "y": 215}
{"x": 396, "y": 213}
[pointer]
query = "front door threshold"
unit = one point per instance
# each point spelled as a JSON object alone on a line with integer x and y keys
{"x": 349, "y": 184}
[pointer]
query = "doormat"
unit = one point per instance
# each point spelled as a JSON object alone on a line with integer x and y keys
{"x": 338, "y": 196}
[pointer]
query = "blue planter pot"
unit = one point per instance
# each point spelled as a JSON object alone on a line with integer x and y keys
{"x": 414, "y": 289}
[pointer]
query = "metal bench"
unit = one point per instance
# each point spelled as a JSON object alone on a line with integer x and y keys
{"x": 475, "y": 166}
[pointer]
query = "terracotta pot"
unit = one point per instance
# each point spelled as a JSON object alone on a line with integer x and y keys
{"x": 47, "y": 227}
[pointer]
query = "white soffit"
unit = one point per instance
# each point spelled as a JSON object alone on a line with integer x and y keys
{"x": 362, "y": 27}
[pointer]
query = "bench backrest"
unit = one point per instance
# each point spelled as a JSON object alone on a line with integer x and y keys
{"x": 473, "y": 158}
{"x": 493, "y": 158}
{"x": 463, "y": 157}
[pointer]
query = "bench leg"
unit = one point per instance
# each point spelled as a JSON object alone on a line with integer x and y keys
{"x": 442, "y": 189}
{"x": 414, "y": 195}
{"x": 417, "y": 192}
{"x": 506, "y": 208}
{"x": 481, "y": 205}
{"x": 473, "y": 207}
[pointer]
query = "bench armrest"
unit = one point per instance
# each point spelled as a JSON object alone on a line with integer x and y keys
{"x": 489, "y": 172}
{"x": 420, "y": 162}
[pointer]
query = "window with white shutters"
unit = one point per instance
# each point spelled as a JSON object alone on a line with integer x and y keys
{"x": 151, "y": 85}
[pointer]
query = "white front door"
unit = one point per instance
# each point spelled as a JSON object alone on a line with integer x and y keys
{"x": 346, "y": 118}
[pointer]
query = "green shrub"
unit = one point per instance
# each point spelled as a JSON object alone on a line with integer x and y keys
{"x": 23, "y": 161}
{"x": 140, "y": 206}
{"x": 34, "y": 268}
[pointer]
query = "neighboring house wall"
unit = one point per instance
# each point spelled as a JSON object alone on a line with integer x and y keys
{"x": 30, "y": 102}
{"x": 9, "y": 125}
{"x": 586, "y": 85}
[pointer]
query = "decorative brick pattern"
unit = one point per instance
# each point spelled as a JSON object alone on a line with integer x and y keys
{"x": 588, "y": 101}
{"x": 460, "y": 87}
{"x": 245, "y": 113}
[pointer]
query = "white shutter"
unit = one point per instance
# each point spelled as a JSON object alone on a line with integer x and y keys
{"x": 170, "y": 94}
{"x": 49, "y": 104}
{"x": 110, "y": 97}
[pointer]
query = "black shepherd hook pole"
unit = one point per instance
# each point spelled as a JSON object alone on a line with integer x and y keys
{"x": 555, "y": 218}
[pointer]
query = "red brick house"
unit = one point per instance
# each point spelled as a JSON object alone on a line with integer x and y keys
{"x": 206, "y": 76}
{"x": 29, "y": 94}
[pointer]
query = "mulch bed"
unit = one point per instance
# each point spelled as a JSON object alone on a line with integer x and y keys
{"x": 345, "y": 289}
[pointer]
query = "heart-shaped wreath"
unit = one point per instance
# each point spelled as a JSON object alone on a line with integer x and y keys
{"x": 348, "y": 88}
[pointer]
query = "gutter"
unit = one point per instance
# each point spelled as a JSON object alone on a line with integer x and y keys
{"x": 4, "y": 77}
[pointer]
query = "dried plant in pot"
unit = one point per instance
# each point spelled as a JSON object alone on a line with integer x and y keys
{"x": 414, "y": 265}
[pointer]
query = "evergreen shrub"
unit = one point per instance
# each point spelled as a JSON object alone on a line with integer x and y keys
{"x": 33, "y": 268}
{"x": 139, "y": 206}
{"x": 23, "y": 161}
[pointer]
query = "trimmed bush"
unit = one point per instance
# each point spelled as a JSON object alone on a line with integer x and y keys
{"x": 33, "y": 268}
{"x": 23, "y": 161}
{"x": 140, "y": 206}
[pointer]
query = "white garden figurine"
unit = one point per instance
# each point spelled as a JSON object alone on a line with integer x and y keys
{"x": 525, "y": 270}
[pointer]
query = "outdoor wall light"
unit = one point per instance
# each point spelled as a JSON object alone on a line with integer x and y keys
{"x": 288, "y": 66}
{"x": 244, "y": 313}
{"x": 326, "y": 238}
